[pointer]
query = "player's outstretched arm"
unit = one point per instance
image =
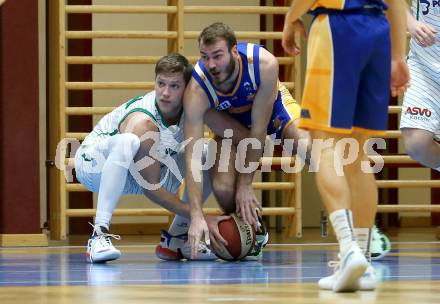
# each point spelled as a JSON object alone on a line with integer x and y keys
{"x": 293, "y": 24}
{"x": 147, "y": 165}
{"x": 247, "y": 203}
{"x": 195, "y": 103}
{"x": 399, "y": 70}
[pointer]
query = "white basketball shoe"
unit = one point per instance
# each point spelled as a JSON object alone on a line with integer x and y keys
{"x": 366, "y": 282}
{"x": 176, "y": 247}
{"x": 100, "y": 248}
{"x": 348, "y": 271}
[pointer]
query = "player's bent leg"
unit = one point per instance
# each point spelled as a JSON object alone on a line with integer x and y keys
{"x": 223, "y": 176}
{"x": 122, "y": 150}
{"x": 116, "y": 153}
{"x": 421, "y": 146}
{"x": 302, "y": 141}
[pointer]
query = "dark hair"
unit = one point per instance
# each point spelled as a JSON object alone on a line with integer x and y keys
{"x": 174, "y": 63}
{"x": 213, "y": 32}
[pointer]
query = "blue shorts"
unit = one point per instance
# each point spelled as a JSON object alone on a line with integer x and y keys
{"x": 284, "y": 112}
{"x": 347, "y": 85}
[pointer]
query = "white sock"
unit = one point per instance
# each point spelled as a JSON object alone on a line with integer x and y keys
{"x": 180, "y": 225}
{"x": 103, "y": 218}
{"x": 363, "y": 238}
{"x": 123, "y": 148}
{"x": 342, "y": 222}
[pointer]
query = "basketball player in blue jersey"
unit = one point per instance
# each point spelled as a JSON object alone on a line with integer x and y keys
{"x": 240, "y": 79}
{"x": 137, "y": 150}
{"x": 350, "y": 70}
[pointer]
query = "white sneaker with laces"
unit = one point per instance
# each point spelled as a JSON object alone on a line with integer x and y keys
{"x": 100, "y": 248}
{"x": 175, "y": 248}
{"x": 348, "y": 271}
{"x": 366, "y": 282}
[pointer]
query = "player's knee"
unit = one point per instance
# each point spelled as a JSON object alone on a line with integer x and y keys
{"x": 128, "y": 141}
{"x": 224, "y": 193}
{"x": 416, "y": 144}
{"x": 221, "y": 187}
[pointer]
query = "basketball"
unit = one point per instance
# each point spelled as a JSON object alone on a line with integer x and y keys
{"x": 240, "y": 237}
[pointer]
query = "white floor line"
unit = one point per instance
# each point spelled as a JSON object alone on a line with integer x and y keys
{"x": 268, "y": 245}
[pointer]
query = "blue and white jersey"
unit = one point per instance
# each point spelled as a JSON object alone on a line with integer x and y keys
{"x": 239, "y": 100}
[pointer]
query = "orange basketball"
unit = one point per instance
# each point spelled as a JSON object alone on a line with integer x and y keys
{"x": 240, "y": 237}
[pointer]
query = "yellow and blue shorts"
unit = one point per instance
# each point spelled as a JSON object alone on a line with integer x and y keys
{"x": 285, "y": 111}
{"x": 347, "y": 85}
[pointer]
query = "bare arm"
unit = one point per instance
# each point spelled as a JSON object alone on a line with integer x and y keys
{"x": 195, "y": 103}
{"x": 142, "y": 126}
{"x": 297, "y": 9}
{"x": 219, "y": 121}
{"x": 262, "y": 108}
{"x": 410, "y": 18}
{"x": 293, "y": 24}
{"x": 247, "y": 203}
{"x": 396, "y": 15}
{"x": 399, "y": 70}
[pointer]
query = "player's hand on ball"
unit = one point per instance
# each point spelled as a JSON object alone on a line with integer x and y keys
{"x": 215, "y": 236}
{"x": 197, "y": 230}
{"x": 247, "y": 206}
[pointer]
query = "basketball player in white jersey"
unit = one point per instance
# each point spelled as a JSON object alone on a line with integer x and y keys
{"x": 420, "y": 118}
{"x": 137, "y": 149}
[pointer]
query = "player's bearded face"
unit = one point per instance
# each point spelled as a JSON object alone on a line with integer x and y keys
{"x": 223, "y": 74}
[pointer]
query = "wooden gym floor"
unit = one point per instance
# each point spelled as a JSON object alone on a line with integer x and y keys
{"x": 287, "y": 274}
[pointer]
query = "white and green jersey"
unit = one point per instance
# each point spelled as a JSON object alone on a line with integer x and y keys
{"x": 421, "y": 104}
{"x": 427, "y": 11}
{"x": 171, "y": 137}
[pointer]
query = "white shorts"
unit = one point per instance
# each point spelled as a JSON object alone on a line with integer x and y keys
{"x": 90, "y": 159}
{"x": 421, "y": 104}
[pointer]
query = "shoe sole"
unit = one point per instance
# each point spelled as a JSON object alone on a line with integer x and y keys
{"x": 349, "y": 280}
{"x": 104, "y": 258}
{"x": 167, "y": 254}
